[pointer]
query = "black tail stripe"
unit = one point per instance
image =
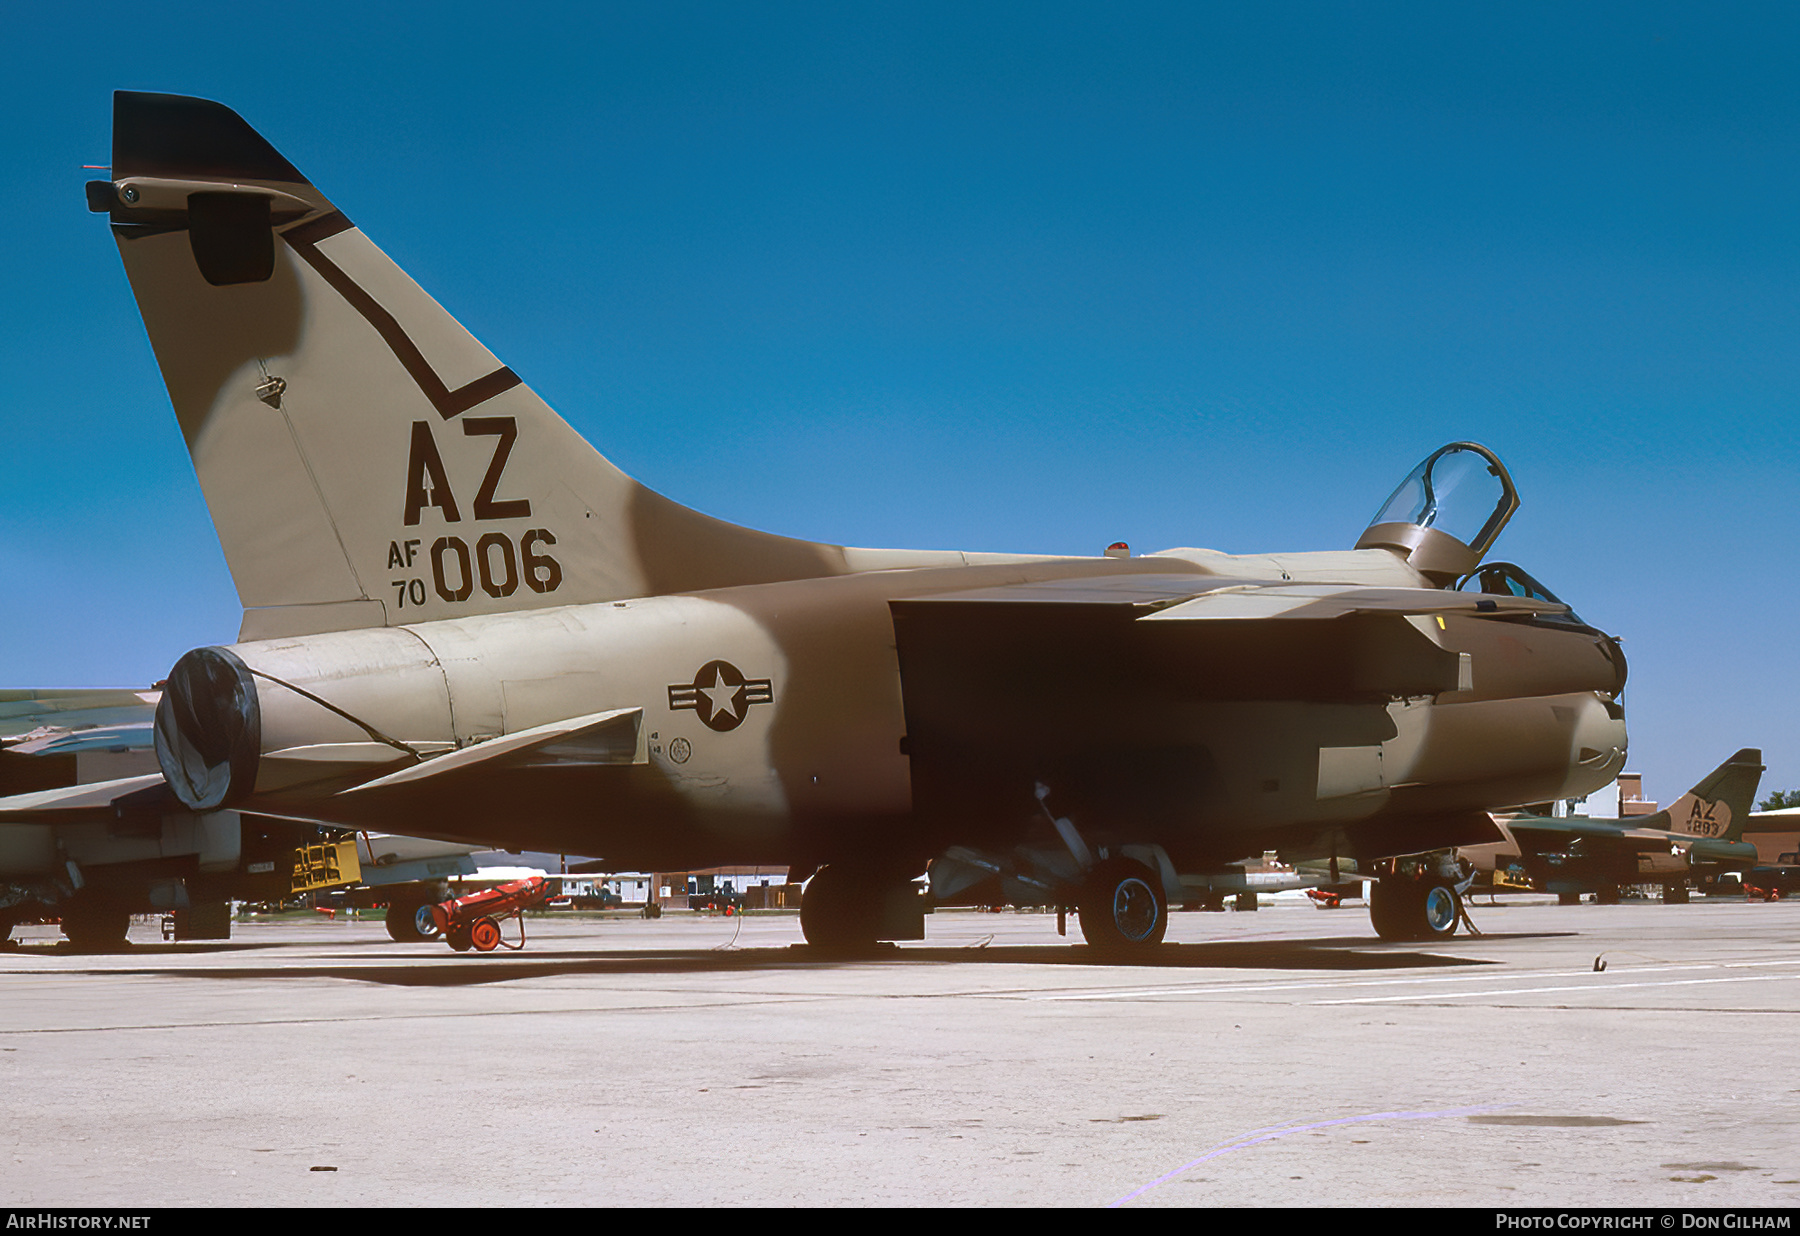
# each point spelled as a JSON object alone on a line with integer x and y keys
{"x": 449, "y": 403}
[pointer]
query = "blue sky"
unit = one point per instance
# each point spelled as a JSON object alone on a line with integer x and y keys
{"x": 1005, "y": 276}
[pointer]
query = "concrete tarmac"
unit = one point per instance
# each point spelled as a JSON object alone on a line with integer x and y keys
{"x": 1282, "y": 1058}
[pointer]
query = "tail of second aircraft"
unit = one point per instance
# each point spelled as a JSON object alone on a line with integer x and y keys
{"x": 366, "y": 461}
{"x": 1719, "y": 805}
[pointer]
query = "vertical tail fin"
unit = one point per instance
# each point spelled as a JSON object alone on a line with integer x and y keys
{"x": 365, "y": 460}
{"x": 1719, "y": 805}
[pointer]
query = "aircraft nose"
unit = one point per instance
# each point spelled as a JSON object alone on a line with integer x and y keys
{"x": 1600, "y": 741}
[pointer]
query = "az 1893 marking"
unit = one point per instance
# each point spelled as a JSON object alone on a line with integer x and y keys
{"x": 493, "y": 563}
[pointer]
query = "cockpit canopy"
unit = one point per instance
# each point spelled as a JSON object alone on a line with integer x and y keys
{"x": 1507, "y": 579}
{"x": 1447, "y": 513}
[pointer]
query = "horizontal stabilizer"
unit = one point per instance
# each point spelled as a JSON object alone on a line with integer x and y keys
{"x": 612, "y": 737}
{"x": 351, "y": 752}
{"x": 327, "y": 761}
{"x": 41, "y": 805}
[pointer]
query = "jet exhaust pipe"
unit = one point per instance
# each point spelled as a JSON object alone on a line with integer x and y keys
{"x": 209, "y": 729}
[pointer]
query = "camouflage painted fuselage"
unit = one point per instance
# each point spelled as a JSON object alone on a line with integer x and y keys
{"x": 788, "y": 723}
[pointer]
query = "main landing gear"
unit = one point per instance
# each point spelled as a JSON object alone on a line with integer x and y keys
{"x": 1419, "y": 901}
{"x": 409, "y": 921}
{"x": 853, "y": 908}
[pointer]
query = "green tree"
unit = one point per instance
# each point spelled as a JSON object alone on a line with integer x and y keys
{"x": 1780, "y": 799}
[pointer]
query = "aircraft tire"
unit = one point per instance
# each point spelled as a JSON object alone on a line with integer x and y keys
{"x": 410, "y": 922}
{"x": 1396, "y": 907}
{"x": 1403, "y": 909}
{"x": 1606, "y": 895}
{"x": 1675, "y": 893}
{"x": 1122, "y": 907}
{"x": 836, "y": 911}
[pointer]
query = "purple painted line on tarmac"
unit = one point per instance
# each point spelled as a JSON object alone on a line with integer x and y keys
{"x": 1271, "y": 1132}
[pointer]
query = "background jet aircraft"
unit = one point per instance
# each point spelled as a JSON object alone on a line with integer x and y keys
{"x": 1699, "y": 834}
{"x": 72, "y": 722}
{"x": 59, "y": 869}
{"x": 461, "y": 621}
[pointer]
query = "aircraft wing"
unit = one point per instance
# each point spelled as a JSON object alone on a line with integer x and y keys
{"x": 1599, "y": 830}
{"x": 99, "y": 739}
{"x": 1581, "y": 826}
{"x": 1303, "y": 601}
{"x": 1245, "y": 639}
{"x": 51, "y": 740}
{"x": 1091, "y": 685}
{"x": 25, "y": 715}
{"x": 1192, "y": 597}
{"x": 1592, "y": 832}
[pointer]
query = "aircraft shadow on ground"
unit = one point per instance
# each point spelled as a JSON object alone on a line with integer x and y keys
{"x": 62, "y": 948}
{"x": 429, "y": 969}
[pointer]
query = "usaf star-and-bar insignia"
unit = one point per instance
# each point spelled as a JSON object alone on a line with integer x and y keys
{"x": 721, "y": 695}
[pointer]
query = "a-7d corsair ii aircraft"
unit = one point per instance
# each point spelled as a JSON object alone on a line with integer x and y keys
{"x": 462, "y": 622}
{"x": 1700, "y": 834}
